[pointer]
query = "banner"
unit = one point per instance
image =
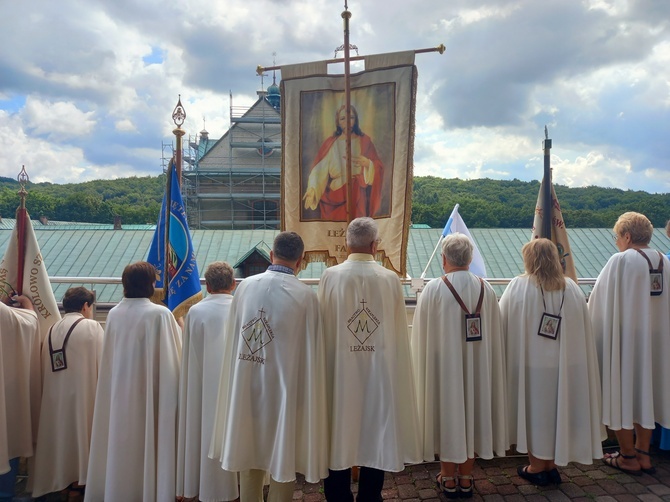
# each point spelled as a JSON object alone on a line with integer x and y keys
{"x": 455, "y": 224}
{"x": 559, "y": 234}
{"x": 314, "y": 184}
{"x": 35, "y": 284}
{"x": 178, "y": 283}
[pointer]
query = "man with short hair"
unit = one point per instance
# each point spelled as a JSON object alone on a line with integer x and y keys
{"x": 271, "y": 413}
{"x": 70, "y": 361}
{"x": 19, "y": 369}
{"x": 134, "y": 441}
{"x": 373, "y": 413}
{"x": 198, "y": 475}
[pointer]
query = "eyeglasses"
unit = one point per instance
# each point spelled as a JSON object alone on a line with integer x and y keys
{"x": 615, "y": 237}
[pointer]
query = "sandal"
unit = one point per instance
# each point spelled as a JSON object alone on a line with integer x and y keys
{"x": 466, "y": 491}
{"x": 648, "y": 470}
{"x": 451, "y": 492}
{"x": 614, "y": 459}
{"x": 537, "y": 478}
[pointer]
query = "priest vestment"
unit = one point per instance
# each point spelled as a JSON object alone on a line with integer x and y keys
{"x": 632, "y": 331}
{"x": 134, "y": 443}
{"x": 68, "y": 398}
{"x": 460, "y": 384}
{"x": 271, "y": 409}
{"x": 553, "y": 386}
{"x": 371, "y": 396}
{"x": 198, "y": 390}
{"x": 19, "y": 383}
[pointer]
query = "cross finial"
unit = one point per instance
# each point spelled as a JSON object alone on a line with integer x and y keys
{"x": 546, "y": 132}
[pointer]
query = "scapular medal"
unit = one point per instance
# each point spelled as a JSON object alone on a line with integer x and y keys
{"x": 655, "y": 275}
{"x": 58, "y": 360}
{"x": 473, "y": 322}
{"x": 550, "y": 323}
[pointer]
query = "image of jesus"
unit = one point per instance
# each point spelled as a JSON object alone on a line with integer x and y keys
{"x": 327, "y": 182}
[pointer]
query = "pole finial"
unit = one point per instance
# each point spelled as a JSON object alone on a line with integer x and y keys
{"x": 546, "y": 132}
{"x": 23, "y": 178}
{"x": 179, "y": 114}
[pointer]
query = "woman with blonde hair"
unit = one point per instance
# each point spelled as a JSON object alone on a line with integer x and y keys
{"x": 630, "y": 311}
{"x": 553, "y": 388}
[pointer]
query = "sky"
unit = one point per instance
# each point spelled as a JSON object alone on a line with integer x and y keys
{"x": 87, "y": 88}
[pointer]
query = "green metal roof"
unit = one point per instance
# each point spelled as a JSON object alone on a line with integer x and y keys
{"x": 85, "y": 252}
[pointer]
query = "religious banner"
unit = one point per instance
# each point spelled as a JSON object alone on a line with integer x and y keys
{"x": 35, "y": 283}
{"x": 172, "y": 253}
{"x": 559, "y": 233}
{"x": 314, "y": 180}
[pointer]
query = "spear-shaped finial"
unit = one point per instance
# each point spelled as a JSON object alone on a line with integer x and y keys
{"x": 23, "y": 178}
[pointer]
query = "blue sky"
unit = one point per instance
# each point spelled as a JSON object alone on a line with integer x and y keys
{"x": 87, "y": 89}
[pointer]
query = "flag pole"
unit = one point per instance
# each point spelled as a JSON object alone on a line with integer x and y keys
{"x": 21, "y": 221}
{"x": 346, "y": 15}
{"x": 546, "y": 210}
{"x": 178, "y": 116}
{"x": 445, "y": 231}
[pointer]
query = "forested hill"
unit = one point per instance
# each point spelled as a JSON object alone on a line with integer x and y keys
{"x": 484, "y": 203}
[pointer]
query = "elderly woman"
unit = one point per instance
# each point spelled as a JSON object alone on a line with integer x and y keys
{"x": 553, "y": 388}
{"x": 630, "y": 312}
{"x": 459, "y": 369}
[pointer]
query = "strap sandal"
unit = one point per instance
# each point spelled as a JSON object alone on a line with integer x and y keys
{"x": 466, "y": 491}
{"x": 614, "y": 459}
{"x": 536, "y": 478}
{"x": 451, "y": 492}
{"x": 649, "y": 470}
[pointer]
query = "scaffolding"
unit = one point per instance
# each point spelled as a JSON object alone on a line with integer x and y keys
{"x": 234, "y": 182}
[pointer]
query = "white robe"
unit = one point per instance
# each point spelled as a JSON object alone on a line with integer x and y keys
{"x": 134, "y": 443}
{"x": 19, "y": 383}
{"x": 372, "y": 402}
{"x": 632, "y": 331}
{"x": 271, "y": 409}
{"x": 553, "y": 386}
{"x": 198, "y": 390}
{"x": 68, "y": 398}
{"x": 460, "y": 385}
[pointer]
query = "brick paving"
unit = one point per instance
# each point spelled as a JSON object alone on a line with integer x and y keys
{"x": 497, "y": 481}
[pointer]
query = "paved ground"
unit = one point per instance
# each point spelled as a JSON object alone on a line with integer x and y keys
{"x": 497, "y": 481}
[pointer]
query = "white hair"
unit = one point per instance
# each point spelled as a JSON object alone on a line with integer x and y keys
{"x": 361, "y": 232}
{"x": 457, "y": 249}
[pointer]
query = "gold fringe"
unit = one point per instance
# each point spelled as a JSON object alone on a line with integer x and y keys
{"x": 184, "y": 306}
{"x": 158, "y": 296}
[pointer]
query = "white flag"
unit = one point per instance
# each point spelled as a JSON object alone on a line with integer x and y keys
{"x": 36, "y": 285}
{"x": 455, "y": 224}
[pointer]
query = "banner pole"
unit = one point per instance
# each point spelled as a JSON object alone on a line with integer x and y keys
{"x": 262, "y": 69}
{"x": 346, "y": 15}
{"x": 178, "y": 116}
{"x": 548, "y": 203}
{"x": 21, "y": 222}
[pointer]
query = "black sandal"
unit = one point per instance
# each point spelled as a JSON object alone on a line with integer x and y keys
{"x": 466, "y": 491}
{"x": 650, "y": 470}
{"x": 451, "y": 492}
{"x": 613, "y": 462}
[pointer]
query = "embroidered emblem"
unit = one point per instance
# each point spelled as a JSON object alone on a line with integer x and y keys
{"x": 257, "y": 333}
{"x": 363, "y": 324}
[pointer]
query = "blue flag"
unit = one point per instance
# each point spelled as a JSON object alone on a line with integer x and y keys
{"x": 178, "y": 284}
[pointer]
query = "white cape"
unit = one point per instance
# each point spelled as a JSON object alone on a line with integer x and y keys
{"x": 134, "y": 443}
{"x": 271, "y": 409}
{"x": 460, "y": 385}
{"x": 371, "y": 393}
{"x": 553, "y": 387}
{"x": 19, "y": 383}
{"x": 632, "y": 331}
{"x": 68, "y": 398}
{"x": 198, "y": 390}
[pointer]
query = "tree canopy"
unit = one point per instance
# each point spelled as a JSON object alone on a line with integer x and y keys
{"x": 484, "y": 203}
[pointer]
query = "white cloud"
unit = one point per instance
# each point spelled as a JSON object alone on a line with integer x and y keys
{"x": 57, "y": 121}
